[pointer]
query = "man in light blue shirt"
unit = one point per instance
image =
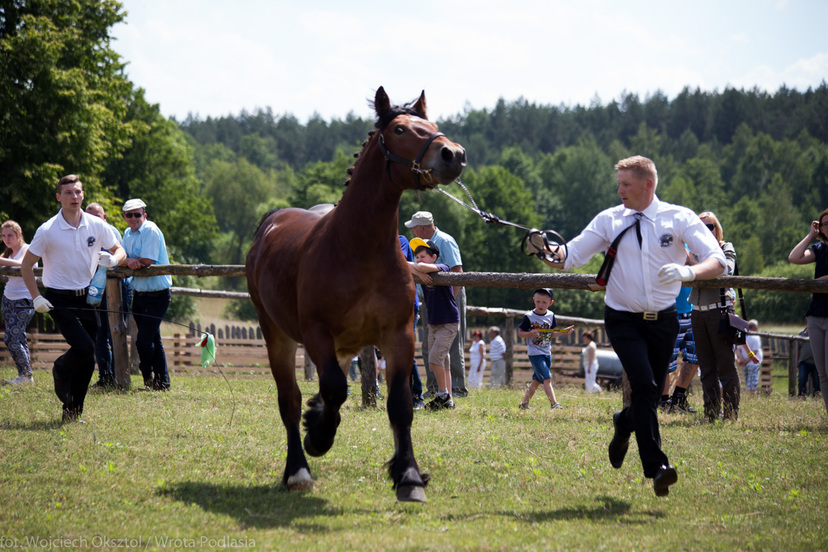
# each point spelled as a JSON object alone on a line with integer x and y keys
{"x": 422, "y": 226}
{"x": 144, "y": 244}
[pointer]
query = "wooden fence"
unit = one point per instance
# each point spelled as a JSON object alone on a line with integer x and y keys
{"x": 185, "y": 356}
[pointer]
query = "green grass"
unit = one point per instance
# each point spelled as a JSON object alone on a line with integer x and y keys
{"x": 203, "y": 462}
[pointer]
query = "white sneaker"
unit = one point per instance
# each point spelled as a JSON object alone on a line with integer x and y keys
{"x": 19, "y": 380}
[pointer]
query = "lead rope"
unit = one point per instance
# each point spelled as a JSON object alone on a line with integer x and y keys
{"x": 536, "y": 239}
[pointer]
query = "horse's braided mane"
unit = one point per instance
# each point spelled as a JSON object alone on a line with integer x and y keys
{"x": 382, "y": 121}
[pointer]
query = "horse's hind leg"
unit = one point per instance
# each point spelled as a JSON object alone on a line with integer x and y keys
{"x": 322, "y": 418}
{"x": 281, "y": 352}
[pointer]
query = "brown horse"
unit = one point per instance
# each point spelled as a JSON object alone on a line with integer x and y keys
{"x": 336, "y": 281}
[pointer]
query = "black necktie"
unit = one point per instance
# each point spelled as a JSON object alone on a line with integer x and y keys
{"x": 603, "y": 275}
{"x": 638, "y": 227}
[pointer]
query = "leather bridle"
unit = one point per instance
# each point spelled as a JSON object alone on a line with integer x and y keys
{"x": 413, "y": 165}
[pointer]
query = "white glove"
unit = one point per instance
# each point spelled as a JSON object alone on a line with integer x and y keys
{"x": 106, "y": 260}
{"x": 42, "y": 305}
{"x": 673, "y": 272}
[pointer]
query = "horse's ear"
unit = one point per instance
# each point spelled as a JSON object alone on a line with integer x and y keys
{"x": 381, "y": 101}
{"x": 420, "y": 106}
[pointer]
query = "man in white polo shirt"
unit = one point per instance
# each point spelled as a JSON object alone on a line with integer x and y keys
{"x": 70, "y": 245}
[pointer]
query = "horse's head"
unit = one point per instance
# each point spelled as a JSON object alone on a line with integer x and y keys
{"x": 407, "y": 137}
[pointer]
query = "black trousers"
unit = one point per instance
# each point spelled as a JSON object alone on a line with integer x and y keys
{"x": 644, "y": 348}
{"x": 74, "y": 369}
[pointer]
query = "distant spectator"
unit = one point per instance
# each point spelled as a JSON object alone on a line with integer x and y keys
{"x": 103, "y": 341}
{"x": 497, "y": 352}
{"x": 477, "y": 360}
{"x": 817, "y": 313}
{"x": 749, "y": 356}
{"x": 807, "y": 368}
{"x": 589, "y": 360}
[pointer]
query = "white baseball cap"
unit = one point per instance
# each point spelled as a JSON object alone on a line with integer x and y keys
{"x": 133, "y": 204}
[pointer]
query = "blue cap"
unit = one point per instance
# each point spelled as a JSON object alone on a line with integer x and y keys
{"x": 545, "y": 291}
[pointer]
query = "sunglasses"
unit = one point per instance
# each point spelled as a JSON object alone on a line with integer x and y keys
{"x": 711, "y": 227}
{"x": 133, "y": 215}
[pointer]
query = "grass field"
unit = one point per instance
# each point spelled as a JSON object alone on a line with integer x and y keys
{"x": 200, "y": 467}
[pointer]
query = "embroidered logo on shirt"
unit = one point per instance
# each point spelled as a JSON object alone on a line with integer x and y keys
{"x": 90, "y": 241}
{"x": 666, "y": 240}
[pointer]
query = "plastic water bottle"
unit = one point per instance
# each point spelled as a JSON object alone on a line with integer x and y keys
{"x": 94, "y": 294}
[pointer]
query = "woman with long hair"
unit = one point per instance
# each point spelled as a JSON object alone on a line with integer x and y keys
{"x": 817, "y": 313}
{"x": 17, "y": 305}
{"x": 716, "y": 359}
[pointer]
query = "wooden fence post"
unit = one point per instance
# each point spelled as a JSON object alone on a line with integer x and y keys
{"x": 308, "y": 365}
{"x": 509, "y": 334}
{"x": 368, "y": 375}
{"x": 793, "y": 369}
{"x": 119, "y": 332}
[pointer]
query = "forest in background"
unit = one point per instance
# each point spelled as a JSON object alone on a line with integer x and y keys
{"x": 757, "y": 159}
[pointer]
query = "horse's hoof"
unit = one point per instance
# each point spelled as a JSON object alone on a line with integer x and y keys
{"x": 411, "y": 493}
{"x": 300, "y": 481}
{"x": 314, "y": 450}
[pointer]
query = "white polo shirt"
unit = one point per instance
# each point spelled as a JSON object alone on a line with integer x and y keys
{"x": 665, "y": 228}
{"x": 70, "y": 255}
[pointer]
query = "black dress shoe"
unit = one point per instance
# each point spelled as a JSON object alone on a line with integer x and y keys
{"x": 665, "y": 477}
{"x": 619, "y": 444}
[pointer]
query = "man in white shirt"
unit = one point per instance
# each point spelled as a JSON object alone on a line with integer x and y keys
{"x": 70, "y": 245}
{"x": 640, "y": 316}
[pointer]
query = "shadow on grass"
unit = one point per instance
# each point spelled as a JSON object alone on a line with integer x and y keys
{"x": 38, "y": 425}
{"x": 262, "y": 506}
{"x": 608, "y": 508}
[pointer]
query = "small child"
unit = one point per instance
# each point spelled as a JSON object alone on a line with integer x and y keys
{"x": 443, "y": 319}
{"x": 749, "y": 356}
{"x": 536, "y": 327}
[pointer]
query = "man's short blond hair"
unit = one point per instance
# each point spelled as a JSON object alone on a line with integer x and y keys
{"x": 640, "y": 166}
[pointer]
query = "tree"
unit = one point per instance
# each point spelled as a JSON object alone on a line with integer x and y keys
{"x": 158, "y": 167}
{"x": 63, "y": 98}
{"x": 237, "y": 189}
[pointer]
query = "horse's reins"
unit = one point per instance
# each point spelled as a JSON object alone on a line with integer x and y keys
{"x": 537, "y": 238}
{"x": 413, "y": 165}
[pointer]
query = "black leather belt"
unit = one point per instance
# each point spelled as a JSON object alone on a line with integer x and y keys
{"x": 71, "y": 292}
{"x": 660, "y": 315}
{"x": 159, "y": 293}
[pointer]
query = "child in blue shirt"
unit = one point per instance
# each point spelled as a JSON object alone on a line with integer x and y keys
{"x": 537, "y": 328}
{"x": 443, "y": 319}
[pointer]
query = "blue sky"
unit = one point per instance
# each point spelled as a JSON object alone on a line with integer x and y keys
{"x": 214, "y": 58}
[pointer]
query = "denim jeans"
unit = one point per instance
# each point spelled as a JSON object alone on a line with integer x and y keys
{"x": 149, "y": 309}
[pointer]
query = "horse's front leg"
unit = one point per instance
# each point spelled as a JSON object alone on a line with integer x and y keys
{"x": 322, "y": 417}
{"x": 402, "y": 468}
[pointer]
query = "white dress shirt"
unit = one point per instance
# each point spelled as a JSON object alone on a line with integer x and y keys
{"x": 665, "y": 229}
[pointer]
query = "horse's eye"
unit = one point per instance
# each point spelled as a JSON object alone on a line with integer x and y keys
{"x": 399, "y": 130}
